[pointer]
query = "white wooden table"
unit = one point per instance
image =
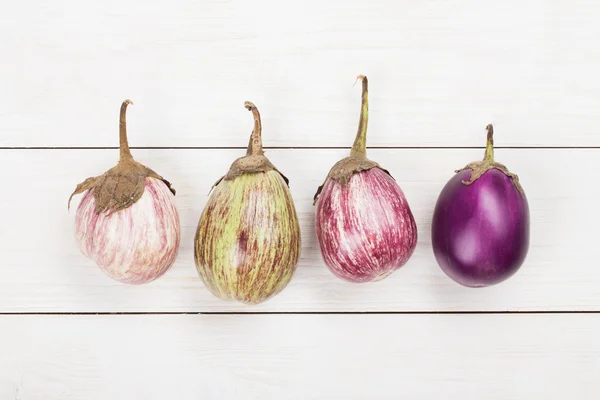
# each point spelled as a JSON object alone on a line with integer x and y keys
{"x": 439, "y": 71}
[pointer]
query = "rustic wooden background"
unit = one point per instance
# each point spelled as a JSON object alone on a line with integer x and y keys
{"x": 439, "y": 71}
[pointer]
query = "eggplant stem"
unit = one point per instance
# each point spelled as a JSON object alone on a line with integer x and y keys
{"x": 255, "y": 145}
{"x": 125, "y": 153}
{"x": 489, "y": 147}
{"x": 359, "y": 148}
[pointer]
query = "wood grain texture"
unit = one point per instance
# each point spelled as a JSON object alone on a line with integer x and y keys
{"x": 479, "y": 357}
{"x": 43, "y": 270}
{"x": 439, "y": 71}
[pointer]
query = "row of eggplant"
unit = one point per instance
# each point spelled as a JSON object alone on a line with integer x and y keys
{"x": 247, "y": 244}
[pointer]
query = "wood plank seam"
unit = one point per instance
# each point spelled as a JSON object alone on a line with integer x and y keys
{"x": 441, "y": 312}
{"x": 299, "y": 148}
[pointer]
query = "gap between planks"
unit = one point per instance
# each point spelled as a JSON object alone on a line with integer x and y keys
{"x": 306, "y": 312}
{"x": 298, "y": 147}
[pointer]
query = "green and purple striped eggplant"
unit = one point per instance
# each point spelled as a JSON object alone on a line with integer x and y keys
{"x": 247, "y": 243}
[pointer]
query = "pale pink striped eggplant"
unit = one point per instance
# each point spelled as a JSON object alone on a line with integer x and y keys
{"x": 363, "y": 222}
{"x": 127, "y": 221}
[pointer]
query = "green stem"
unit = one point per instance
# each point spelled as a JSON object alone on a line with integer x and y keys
{"x": 255, "y": 144}
{"x": 489, "y": 147}
{"x": 359, "y": 148}
{"x": 123, "y": 144}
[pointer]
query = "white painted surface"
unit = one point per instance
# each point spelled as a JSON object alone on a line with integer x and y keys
{"x": 304, "y": 357}
{"x": 439, "y": 72}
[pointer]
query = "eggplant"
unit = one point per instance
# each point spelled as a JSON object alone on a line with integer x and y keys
{"x": 247, "y": 244}
{"x": 127, "y": 221}
{"x": 480, "y": 226}
{"x": 363, "y": 222}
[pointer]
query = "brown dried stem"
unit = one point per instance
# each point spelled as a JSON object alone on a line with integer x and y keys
{"x": 255, "y": 145}
{"x": 359, "y": 148}
{"x": 125, "y": 153}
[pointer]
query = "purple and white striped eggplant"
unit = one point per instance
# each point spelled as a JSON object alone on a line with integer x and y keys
{"x": 247, "y": 243}
{"x": 127, "y": 221}
{"x": 363, "y": 221}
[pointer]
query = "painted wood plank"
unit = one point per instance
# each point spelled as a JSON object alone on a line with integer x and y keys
{"x": 439, "y": 71}
{"x": 479, "y": 357}
{"x": 44, "y": 271}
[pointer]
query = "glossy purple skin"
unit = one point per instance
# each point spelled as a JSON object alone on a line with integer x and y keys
{"x": 365, "y": 228}
{"x": 480, "y": 232}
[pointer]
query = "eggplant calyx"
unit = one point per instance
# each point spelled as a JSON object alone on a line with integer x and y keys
{"x": 251, "y": 164}
{"x": 343, "y": 170}
{"x": 478, "y": 168}
{"x": 123, "y": 185}
{"x": 120, "y": 187}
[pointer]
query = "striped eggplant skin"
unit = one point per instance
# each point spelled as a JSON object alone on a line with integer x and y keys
{"x": 127, "y": 221}
{"x": 365, "y": 228}
{"x": 363, "y": 222}
{"x": 248, "y": 239}
{"x": 247, "y": 244}
{"x": 135, "y": 245}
